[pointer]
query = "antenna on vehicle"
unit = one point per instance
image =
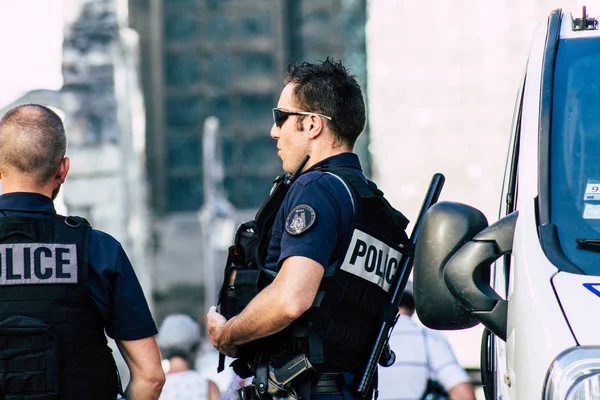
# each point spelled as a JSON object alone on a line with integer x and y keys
{"x": 584, "y": 23}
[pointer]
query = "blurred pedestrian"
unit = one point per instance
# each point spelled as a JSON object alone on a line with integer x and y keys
{"x": 422, "y": 355}
{"x": 205, "y": 365}
{"x": 179, "y": 341}
{"x": 63, "y": 285}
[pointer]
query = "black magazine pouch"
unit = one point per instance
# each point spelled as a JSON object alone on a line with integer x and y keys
{"x": 29, "y": 366}
{"x": 240, "y": 259}
{"x": 245, "y": 246}
{"x": 247, "y": 284}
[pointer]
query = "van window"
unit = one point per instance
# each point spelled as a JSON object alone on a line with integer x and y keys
{"x": 575, "y": 149}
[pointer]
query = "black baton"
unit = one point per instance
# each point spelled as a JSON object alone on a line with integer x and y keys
{"x": 400, "y": 279}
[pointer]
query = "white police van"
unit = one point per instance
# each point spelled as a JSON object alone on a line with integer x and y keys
{"x": 533, "y": 277}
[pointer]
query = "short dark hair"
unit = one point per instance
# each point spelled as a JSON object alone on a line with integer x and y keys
{"x": 32, "y": 141}
{"x": 327, "y": 87}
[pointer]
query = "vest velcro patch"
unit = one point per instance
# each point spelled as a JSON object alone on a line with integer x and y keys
{"x": 37, "y": 263}
{"x": 371, "y": 259}
{"x": 300, "y": 219}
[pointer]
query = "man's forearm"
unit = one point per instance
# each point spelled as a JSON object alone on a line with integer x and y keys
{"x": 265, "y": 315}
{"x": 274, "y": 308}
{"x": 143, "y": 359}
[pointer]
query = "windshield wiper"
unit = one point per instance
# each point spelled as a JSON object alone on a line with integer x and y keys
{"x": 588, "y": 244}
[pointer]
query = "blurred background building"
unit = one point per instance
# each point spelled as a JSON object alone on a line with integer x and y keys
{"x": 136, "y": 81}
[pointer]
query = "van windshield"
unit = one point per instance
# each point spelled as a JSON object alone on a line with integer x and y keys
{"x": 575, "y": 150}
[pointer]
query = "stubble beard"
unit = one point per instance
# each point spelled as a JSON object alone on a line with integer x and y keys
{"x": 290, "y": 163}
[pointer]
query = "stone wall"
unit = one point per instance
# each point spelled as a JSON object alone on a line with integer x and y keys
{"x": 104, "y": 117}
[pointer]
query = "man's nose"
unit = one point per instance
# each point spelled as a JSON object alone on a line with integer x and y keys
{"x": 274, "y": 132}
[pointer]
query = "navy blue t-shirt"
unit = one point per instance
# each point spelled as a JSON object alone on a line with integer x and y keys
{"x": 316, "y": 216}
{"x": 113, "y": 284}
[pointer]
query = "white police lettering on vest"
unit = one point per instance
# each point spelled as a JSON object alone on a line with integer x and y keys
{"x": 37, "y": 263}
{"x": 371, "y": 259}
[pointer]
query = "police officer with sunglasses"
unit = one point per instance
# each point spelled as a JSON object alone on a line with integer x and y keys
{"x": 333, "y": 248}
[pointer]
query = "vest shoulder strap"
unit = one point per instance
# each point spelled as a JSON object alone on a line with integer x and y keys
{"x": 347, "y": 188}
{"x": 369, "y": 192}
{"x": 362, "y": 187}
{"x": 75, "y": 230}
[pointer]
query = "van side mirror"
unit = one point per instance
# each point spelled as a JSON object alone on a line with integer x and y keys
{"x": 446, "y": 227}
{"x": 461, "y": 268}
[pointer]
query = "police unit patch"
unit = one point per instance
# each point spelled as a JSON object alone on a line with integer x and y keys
{"x": 300, "y": 219}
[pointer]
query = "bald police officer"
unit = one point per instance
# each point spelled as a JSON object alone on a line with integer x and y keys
{"x": 63, "y": 285}
{"x": 334, "y": 247}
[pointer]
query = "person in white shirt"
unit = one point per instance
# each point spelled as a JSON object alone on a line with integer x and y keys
{"x": 179, "y": 341}
{"x": 421, "y": 354}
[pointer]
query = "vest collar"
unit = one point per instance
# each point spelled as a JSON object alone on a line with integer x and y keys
{"x": 339, "y": 160}
{"x": 27, "y": 202}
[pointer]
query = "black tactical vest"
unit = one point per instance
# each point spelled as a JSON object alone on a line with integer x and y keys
{"x": 353, "y": 302}
{"x": 52, "y": 341}
{"x": 341, "y": 327}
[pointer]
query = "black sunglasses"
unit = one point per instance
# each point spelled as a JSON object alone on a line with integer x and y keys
{"x": 280, "y": 115}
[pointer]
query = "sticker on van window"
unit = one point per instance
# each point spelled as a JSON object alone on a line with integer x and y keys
{"x": 592, "y": 190}
{"x": 591, "y": 211}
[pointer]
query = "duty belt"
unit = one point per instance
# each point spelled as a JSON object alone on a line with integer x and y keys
{"x": 328, "y": 383}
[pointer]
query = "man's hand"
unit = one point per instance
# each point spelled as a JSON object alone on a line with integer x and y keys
{"x": 214, "y": 324}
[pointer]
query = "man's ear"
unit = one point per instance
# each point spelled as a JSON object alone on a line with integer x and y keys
{"x": 63, "y": 170}
{"x": 314, "y": 126}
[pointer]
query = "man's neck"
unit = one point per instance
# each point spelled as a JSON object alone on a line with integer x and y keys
{"x": 25, "y": 186}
